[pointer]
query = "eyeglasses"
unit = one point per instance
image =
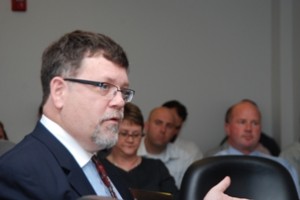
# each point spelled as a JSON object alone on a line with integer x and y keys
{"x": 133, "y": 135}
{"x": 107, "y": 89}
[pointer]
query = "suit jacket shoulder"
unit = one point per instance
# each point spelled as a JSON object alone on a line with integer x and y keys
{"x": 40, "y": 167}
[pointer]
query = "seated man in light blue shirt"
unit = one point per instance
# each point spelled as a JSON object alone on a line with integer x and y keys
{"x": 243, "y": 128}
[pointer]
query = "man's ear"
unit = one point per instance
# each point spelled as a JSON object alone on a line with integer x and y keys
{"x": 226, "y": 128}
{"x": 58, "y": 89}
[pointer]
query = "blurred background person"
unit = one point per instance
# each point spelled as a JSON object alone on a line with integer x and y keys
{"x": 243, "y": 128}
{"x": 159, "y": 129}
{"x": 292, "y": 154}
{"x": 5, "y": 144}
{"x": 3, "y": 135}
{"x": 266, "y": 145}
{"x": 136, "y": 171}
{"x": 180, "y": 115}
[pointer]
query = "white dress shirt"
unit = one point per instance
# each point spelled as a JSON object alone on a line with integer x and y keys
{"x": 176, "y": 160}
{"x": 190, "y": 147}
{"x": 82, "y": 157}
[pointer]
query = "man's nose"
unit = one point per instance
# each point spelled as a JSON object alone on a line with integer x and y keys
{"x": 248, "y": 126}
{"x": 118, "y": 100}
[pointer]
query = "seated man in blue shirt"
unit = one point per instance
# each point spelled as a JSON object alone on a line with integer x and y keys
{"x": 243, "y": 128}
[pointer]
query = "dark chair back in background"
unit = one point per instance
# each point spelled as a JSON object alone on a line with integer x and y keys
{"x": 251, "y": 177}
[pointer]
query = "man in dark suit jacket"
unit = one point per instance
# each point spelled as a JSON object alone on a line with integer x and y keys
{"x": 79, "y": 117}
{"x": 5, "y": 145}
{"x": 85, "y": 87}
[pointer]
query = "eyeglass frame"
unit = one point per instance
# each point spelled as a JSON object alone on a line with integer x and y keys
{"x": 100, "y": 85}
{"x": 126, "y": 135}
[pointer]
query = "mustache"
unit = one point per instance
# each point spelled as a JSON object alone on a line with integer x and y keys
{"x": 115, "y": 115}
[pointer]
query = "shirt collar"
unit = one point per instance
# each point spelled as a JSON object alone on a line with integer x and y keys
{"x": 168, "y": 154}
{"x": 81, "y": 156}
{"x": 234, "y": 151}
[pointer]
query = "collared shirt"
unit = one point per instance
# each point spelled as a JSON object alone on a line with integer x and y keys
{"x": 82, "y": 157}
{"x": 292, "y": 154}
{"x": 176, "y": 160}
{"x": 232, "y": 151}
{"x": 190, "y": 147}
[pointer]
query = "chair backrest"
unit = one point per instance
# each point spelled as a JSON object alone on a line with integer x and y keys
{"x": 251, "y": 177}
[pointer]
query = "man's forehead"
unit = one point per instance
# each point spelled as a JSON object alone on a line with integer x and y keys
{"x": 101, "y": 69}
{"x": 163, "y": 114}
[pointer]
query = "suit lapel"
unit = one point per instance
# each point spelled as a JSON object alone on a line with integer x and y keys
{"x": 66, "y": 161}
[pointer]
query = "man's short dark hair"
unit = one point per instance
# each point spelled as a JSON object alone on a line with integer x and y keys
{"x": 180, "y": 108}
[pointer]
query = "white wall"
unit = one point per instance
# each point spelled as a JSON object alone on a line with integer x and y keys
{"x": 207, "y": 54}
{"x": 296, "y": 66}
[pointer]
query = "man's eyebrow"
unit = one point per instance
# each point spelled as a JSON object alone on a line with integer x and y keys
{"x": 114, "y": 81}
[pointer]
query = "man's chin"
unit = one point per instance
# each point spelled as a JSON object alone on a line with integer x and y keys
{"x": 110, "y": 145}
{"x": 105, "y": 143}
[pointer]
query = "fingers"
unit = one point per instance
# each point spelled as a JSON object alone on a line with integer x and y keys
{"x": 223, "y": 185}
{"x": 217, "y": 192}
{"x": 235, "y": 198}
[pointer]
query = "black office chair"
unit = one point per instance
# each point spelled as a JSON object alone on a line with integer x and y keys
{"x": 251, "y": 177}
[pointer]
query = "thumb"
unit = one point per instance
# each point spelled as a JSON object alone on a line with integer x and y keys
{"x": 223, "y": 185}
